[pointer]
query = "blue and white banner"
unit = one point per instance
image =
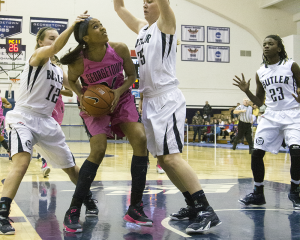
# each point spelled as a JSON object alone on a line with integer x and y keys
{"x": 36, "y": 23}
{"x": 218, "y": 54}
{"x": 191, "y": 33}
{"x": 10, "y": 26}
{"x": 192, "y": 53}
{"x": 218, "y": 35}
{"x": 136, "y": 93}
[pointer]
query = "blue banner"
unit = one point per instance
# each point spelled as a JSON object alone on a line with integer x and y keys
{"x": 10, "y": 25}
{"x": 36, "y": 23}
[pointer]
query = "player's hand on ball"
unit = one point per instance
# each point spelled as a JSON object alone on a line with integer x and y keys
{"x": 117, "y": 95}
{"x": 241, "y": 83}
{"x": 81, "y": 107}
{"x": 297, "y": 98}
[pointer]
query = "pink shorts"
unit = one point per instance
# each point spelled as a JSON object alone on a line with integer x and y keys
{"x": 124, "y": 112}
{"x": 2, "y": 125}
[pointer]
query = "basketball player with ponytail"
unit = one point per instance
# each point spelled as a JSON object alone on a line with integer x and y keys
{"x": 97, "y": 61}
{"x": 30, "y": 123}
{"x": 279, "y": 79}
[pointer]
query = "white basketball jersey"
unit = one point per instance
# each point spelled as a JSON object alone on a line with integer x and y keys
{"x": 40, "y": 88}
{"x": 279, "y": 84}
{"x": 156, "y": 53}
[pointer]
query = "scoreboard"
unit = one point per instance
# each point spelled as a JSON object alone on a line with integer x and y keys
{"x": 13, "y": 45}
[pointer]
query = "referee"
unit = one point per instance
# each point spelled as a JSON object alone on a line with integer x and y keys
{"x": 245, "y": 122}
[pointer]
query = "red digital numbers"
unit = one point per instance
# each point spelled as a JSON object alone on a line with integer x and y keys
{"x": 13, "y": 48}
{"x": 13, "y": 45}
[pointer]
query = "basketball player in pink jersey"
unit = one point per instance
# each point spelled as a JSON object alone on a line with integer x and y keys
{"x": 58, "y": 115}
{"x": 6, "y": 104}
{"x": 30, "y": 123}
{"x": 164, "y": 107}
{"x": 97, "y": 61}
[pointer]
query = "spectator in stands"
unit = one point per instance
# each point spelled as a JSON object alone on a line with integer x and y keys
{"x": 207, "y": 110}
{"x": 223, "y": 118}
{"x": 244, "y": 126}
{"x": 215, "y": 129}
{"x": 207, "y": 132}
{"x": 255, "y": 112}
{"x": 196, "y": 121}
{"x": 186, "y": 124}
{"x": 225, "y": 131}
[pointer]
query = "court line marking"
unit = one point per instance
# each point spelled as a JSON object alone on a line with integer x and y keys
{"x": 165, "y": 223}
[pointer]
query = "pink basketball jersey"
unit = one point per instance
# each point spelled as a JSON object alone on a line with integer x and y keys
{"x": 109, "y": 71}
{"x": 58, "y": 112}
{"x": 1, "y": 107}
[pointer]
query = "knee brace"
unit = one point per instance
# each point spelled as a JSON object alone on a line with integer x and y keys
{"x": 295, "y": 162}
{"x": 257, "y": 165}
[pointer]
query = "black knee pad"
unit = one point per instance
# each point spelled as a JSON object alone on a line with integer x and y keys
{"x": 295, "y": 150}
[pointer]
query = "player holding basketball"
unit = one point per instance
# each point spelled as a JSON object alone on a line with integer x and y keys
{"x": 164, "y": 106}
{"x": 30, "y": 123}
{"x": 279, "y": 79}
{"x": 6, "y": 104}
{"x": 97, "y": 61}
{"x": 58, "y": 115}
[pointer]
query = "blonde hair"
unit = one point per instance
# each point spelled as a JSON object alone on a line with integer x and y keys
{"x": 41, "y": 35}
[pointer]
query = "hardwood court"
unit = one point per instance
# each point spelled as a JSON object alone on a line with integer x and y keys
{"x": 225, "y": 175}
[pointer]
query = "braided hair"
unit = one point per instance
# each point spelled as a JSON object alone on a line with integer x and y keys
{"x": 282, "y": 54}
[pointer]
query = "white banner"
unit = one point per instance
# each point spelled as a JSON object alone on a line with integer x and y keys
{"x": 190, "y": 33}
{"x": 218, "y": 54}
{"x": 218, "y": 35}
{"x": 192, "y": 53}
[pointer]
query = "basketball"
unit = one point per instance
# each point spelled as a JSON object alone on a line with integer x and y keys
{"x": 97, "y": 100}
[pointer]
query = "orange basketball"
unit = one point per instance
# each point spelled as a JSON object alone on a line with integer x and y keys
{"x": 97, "y": 100}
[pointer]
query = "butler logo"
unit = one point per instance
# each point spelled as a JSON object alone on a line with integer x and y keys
{"x": 28, "y": 144}
{"x": 259, "y": 141}
{"x": 193, "y": 50}
{"x": 192, "y": 31}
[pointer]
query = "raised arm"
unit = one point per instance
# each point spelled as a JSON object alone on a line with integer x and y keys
{"x": 166, "y": 21}
{"x": 42, "y": 54}
{"x": 135, "y": 24}
{"x": 257, "y": 99}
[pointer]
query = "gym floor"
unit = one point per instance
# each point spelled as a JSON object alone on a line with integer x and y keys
{"x": 225, "y": 175}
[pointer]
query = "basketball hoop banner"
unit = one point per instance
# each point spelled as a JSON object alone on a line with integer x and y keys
{"x": 218, "y": 35}
{"x": 191, "y": 33}
{"x": 4, "y": 58}
{"x": 36, "y": 23}
{"x": 10, "y": 25}
{"x": 194, "y": 53}
{"x": 218, "y": 54}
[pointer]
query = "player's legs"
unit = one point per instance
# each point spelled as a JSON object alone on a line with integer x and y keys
{"x": 45, "y": 169}
{"x": 2, "y": 140}
{"x": 241, "y": 132}
{"x": 268, "y": 138}
{"x": 135, "y": 133}
{"x": 87, "y": 174}
{"x": 248, "y": 136}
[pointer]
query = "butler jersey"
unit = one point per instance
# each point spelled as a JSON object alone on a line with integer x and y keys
{"x": 156, "y": 53}
{"x": 279, "y": 84}
{"x": 40, "y": 88}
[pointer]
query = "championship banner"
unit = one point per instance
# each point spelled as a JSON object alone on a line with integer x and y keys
{"x": 218, "y": 35}
{"x": 190, "y": 33}
{"x": 36, "y": 23}
{"x": 193, "y": 53}
{"x": 10, "y": 26}
{"x": 218, "y": 54}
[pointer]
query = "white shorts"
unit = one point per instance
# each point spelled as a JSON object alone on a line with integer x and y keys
{"x": 275, "y": 126}
{"x": 163, "y": 118}
{"x": 26, "y": 130}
